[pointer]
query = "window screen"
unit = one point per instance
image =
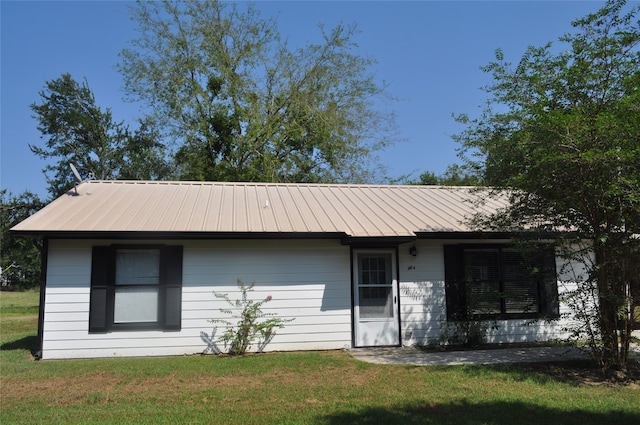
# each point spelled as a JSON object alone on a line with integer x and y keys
{"x": 137, "y": 285}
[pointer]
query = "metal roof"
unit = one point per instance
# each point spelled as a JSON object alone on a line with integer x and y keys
{"x": 258, "y": 208}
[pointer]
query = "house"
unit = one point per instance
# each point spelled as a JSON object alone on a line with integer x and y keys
{"x": 130, "y": 266}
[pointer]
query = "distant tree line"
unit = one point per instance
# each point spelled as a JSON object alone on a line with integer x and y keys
{"x": 454, "y": 175}
{"x": 20, "y": 257}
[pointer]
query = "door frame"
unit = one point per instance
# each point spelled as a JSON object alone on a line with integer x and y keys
{"x": 396, "y": 340}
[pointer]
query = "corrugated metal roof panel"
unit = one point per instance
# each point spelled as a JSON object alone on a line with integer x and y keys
{"x": 355, "y": 210}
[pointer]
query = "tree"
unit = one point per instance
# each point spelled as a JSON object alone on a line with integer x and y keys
{"x": 244, "y": 106}
{"x": 80, "y": 132}
{"x": 561, "y": 136}
{"x": 454, "y": 175}
{"x": 428, "y": 178}
{"x": 20, "y": 258}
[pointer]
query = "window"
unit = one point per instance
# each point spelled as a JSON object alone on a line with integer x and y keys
{"x": 135, "y": 287}
{"x": 375, "y": 286}
{"x": 498, "y": 281}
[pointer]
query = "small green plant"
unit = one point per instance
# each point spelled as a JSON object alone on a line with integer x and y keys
{"x": 467, "y": 333}
{"x": 252, "y": 324}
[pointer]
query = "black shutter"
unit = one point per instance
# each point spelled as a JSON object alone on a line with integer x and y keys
{"x": 455, "y": 287}
{"x": 99, "y": 297}
{"x": 172, "y": 276}
{"x": 550, "y": 305}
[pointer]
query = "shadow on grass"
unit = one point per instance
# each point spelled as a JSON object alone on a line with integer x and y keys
{"x": 464, "y": 413}
{"x": 27, "y": 343}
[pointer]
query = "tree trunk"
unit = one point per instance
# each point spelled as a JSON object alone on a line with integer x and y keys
{"x": 615, "y": 303}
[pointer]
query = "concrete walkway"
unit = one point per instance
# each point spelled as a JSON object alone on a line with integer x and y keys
{"x": 414, "y": 356}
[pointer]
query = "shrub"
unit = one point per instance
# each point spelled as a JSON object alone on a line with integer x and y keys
{"x": 252, "y": 325}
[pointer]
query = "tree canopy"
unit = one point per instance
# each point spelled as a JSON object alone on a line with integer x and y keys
{"x": 78, "y": 131}
{"x": 19, "y": 257}
{"x": 561, "y": 134}
{"x": 454, "y": 175}
{"x": 243, "y": 105}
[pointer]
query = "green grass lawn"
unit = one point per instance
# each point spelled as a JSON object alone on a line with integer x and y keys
{"x": 285, "y": 388}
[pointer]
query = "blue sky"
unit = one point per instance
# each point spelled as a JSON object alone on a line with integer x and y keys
{"x": 429, "y": 52}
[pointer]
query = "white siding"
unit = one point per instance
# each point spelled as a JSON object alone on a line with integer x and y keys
{"x": 308, "y": 281}
{"x": 423, "y": 302}
{"x": 422, "y": 296}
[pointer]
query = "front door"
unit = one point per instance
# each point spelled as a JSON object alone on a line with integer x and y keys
{"x": 375, "y": 298}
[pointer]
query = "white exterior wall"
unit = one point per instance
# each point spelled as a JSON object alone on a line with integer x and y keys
{"x": 423, "y": 313}
{"x": 308, "y": 280}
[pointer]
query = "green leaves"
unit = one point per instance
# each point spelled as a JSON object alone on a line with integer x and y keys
{"x": 78, "y": 131}
{"x": 454, "y": 175}
{"x": 561, "y": 134}
{"x": 568, "y": 127}
{"x": 244, "y": 106}
{"x": 20, "y": 258}
{"x": 251, "y": 325}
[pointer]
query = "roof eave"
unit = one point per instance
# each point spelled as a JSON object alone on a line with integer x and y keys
{"x": 153, "y": 235}
{"x": 377, "y": 241}
{"x": 485, "y": 235}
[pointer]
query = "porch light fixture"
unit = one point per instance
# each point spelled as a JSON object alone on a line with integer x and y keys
{"x": 413, "y": 251}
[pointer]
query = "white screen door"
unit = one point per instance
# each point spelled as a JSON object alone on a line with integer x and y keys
{"x": 376, "y": 298}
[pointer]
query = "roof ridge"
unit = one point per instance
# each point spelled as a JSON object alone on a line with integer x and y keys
{"x": 221, "y": 183}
